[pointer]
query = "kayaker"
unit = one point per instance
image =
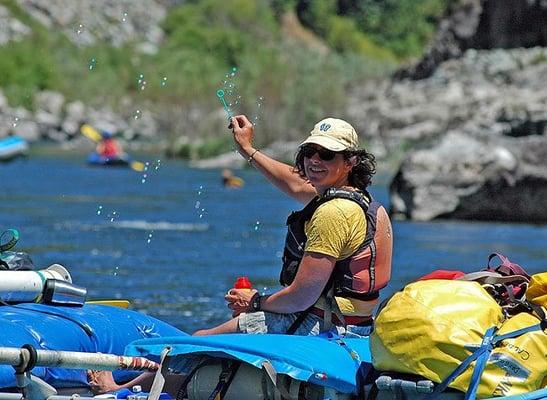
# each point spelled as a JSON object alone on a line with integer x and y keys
{"x": 108, "y": 147}
{"x": 338, "y": 248}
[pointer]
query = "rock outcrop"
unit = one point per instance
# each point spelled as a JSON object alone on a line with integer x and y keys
{"x": 474, "y": 178}
{"x": 481, "y": 125}
{"x": 111, "y": 21}
{"x": 483, "y": 93}
{"x": 482, "y": 24}
{"x": 11, "y": 29}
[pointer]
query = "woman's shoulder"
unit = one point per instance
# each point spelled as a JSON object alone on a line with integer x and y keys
{"x": 338, "y": 206}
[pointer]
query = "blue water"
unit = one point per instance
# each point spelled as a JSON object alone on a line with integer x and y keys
{"x": 174, "y": 241}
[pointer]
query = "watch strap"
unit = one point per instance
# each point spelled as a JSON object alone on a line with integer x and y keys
{"x": 254, "y": 303}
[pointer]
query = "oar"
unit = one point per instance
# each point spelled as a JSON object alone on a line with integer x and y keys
{"x": 75, "y": 359}
{"x": 114, "y": 303}
{"x": 92, "y": 133}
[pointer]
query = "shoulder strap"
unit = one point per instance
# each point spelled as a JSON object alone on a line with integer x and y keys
{"x": 363, "y": 199}
{"x": 506, "y": 267}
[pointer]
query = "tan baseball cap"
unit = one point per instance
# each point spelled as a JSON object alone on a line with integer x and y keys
{"x": 333, "y": 134}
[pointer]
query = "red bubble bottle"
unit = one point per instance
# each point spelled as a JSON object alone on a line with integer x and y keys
{"x": 243, "y": 282}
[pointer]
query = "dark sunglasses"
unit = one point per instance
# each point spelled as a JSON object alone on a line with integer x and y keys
{"x": 324, "y": 154}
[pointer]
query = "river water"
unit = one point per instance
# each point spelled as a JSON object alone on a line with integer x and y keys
{"x": 172, "y": 239}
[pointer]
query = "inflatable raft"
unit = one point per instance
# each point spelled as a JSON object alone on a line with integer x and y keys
{"x": 93, "y": 328}
{"x": 288, "y": 367}
{"x": 12, "y": 147}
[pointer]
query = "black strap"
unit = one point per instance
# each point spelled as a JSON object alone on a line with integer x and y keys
{"x": 229, "y": 369}
{"x": 298, "y": 321}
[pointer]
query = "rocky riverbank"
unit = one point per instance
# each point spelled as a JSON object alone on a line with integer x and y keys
{"x": 480, "y": 125}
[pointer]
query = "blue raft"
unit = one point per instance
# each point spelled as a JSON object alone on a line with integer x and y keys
{"x": 325, "y": 361}
{"x": 91, "y": 328}
{"x": 12, "y": 147}
{"x": 342, "y": 365}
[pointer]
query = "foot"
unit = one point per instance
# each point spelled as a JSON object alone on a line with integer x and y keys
{"x": 102, "y": 382}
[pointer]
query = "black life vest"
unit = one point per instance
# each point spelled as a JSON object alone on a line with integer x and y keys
{"x": 360, "y": 275}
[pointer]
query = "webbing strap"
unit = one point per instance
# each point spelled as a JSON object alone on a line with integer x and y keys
{"x": 481, "y": 354}
{"x": 327, "y": 314}
{"x": 159, "y": 378}
{"x": 486, "y": 343}
{"x": 297, "y": 322}
{"x": 485, "y": 350}
{"x": 272, "y": 374}
{"x": 229, "y": 370}
{"x": 516, "y": 333}
{"x": 331, "y": 306}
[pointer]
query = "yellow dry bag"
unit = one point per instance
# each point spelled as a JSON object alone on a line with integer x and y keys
{"x": 425, "y": 328}
{"x": 436, "y": 329}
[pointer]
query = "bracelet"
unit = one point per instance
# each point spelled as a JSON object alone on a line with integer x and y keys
{"x": 251, "y": 157}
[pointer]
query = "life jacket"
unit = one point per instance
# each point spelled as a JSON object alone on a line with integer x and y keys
{"x": 109, "y": 148}
{"x": 365, "y": 272}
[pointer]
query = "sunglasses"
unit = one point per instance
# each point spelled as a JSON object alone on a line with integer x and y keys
{"x": 324, "y": 154}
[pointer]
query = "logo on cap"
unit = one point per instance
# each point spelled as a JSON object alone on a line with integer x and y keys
{"x": 324, "y": 127}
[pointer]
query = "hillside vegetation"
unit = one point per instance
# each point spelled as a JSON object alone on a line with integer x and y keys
{"x": 268, "y": 71}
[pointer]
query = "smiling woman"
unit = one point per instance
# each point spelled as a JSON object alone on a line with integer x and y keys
{"x": 338, "y": 248}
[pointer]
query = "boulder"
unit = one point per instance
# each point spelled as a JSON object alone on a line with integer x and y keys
{"x": 11, "y": 29}
{"x": 86, "y": 23}
{"x": 465, "y": 177}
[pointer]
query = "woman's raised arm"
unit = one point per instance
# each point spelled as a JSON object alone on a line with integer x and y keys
{"x": 280, "y": 174}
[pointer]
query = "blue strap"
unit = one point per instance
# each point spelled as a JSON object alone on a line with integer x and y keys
{"x": 516, "y": 333}
{"x": 333, "y": 336}
{"x": 484, "y": 348}
{"x": 481, "y": 354}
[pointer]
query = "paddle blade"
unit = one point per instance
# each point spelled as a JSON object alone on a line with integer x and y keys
{"x": 91, "y": 133}
{"x": 137, "y": 166}
{"x": 113, "y": 303}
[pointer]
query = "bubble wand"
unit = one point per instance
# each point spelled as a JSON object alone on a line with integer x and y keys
{"x": 220, "y": 94}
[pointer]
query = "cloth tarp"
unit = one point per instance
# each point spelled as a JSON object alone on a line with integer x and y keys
{"x": 325, "y": 361}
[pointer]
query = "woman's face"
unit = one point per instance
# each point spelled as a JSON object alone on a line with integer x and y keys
{"x": 323, "y": 170}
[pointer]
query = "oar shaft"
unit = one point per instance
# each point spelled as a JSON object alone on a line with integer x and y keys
{"x": 77, "y": 360}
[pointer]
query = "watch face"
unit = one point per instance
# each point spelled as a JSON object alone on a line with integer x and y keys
{"x": 256, "y": 303}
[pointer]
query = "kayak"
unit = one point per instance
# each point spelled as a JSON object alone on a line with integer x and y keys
{"x": 12, "y": 147}
{"x": 96, "y": 159}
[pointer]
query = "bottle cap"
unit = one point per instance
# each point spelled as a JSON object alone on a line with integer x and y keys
{"x": 243, "y": 282}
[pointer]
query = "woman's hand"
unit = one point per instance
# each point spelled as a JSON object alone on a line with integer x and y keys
{"x": 239, "y": 300}
{"x": 243, "y": 131}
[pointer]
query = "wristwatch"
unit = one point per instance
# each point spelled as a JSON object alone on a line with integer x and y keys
{"x": 254, "y": 303}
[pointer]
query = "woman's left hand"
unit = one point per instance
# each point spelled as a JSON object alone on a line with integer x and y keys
{"x": 239, "y": 300}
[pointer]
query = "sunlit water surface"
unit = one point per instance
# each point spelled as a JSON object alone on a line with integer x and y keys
{"x": 173, "y": 240}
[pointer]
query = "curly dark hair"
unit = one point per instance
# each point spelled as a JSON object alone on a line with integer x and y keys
{"x": 361, "y": 174}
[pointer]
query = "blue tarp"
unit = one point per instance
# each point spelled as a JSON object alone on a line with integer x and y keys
{"x": 320, "y": 360}
{"x": 91, "y": 328}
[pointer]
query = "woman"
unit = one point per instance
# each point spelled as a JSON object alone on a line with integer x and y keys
{"x": 338, "y": 248}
